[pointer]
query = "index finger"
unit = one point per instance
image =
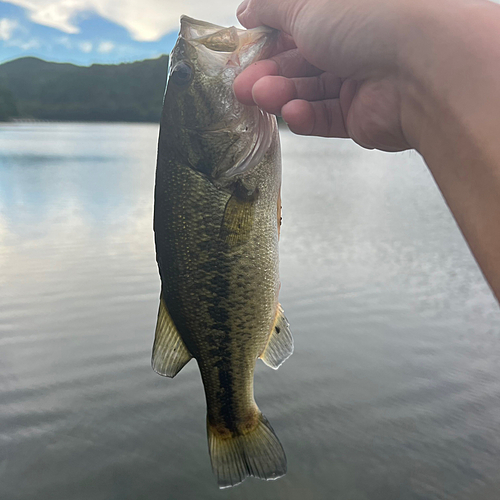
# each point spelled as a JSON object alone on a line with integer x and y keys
{"x": 289, "y": 64}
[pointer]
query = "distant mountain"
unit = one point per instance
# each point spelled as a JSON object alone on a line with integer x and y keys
{"x": 132, "y": 92}
{"x": 8, "y": 108}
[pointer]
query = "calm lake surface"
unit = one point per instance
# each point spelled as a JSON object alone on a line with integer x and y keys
{"x": 393, "y": 391}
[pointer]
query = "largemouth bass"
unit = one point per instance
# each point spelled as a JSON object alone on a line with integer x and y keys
{"x": 216, "y": 221}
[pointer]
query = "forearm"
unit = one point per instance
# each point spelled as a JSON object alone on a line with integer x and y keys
{"x": 452, "y": 86}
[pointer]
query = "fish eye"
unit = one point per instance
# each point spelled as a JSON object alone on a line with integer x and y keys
{"x": 182, "y": 73}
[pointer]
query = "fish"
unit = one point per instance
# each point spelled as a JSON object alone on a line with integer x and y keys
{"x": 217, "y": 218}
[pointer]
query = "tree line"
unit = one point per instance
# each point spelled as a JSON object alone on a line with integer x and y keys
{"x": 31, "y": 88}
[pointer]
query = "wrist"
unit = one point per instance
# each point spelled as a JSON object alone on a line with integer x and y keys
{"x": 450, "y": 96}
{"x": 449, "y": 68}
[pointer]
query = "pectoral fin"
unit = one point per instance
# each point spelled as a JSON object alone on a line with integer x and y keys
{"x": 169, "y": 352}
{"x": 238, "y": 219}
{"x": 280, "y": 345}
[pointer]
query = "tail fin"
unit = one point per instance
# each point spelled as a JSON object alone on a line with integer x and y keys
{"x": 257, "y": 453}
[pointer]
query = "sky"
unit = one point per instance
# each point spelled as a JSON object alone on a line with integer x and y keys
{"x": 100, "y": 31}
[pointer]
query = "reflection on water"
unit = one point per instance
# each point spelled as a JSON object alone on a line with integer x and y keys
{"x": 394, "y": 388}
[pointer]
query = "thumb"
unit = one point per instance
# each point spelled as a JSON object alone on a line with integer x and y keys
{"x": 278, "y": 14}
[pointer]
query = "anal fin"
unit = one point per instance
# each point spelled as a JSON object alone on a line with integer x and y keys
{"x": 280, "y": 345}
{"x": 169, "y": 351}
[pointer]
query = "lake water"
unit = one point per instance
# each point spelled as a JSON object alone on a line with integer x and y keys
{"x": 393, "y": 391}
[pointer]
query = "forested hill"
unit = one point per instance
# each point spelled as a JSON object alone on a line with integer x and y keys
{"x": 132, "y": 92}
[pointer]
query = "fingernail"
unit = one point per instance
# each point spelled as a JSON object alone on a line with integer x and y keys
{"x": 242, "y": 8}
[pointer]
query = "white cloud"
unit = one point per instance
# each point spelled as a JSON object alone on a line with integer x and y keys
{"x": 64, "y": 41}
{"x": 30, "y": 44}
{"x": 85, "y": 47}
{"x": 7, "y": 27}
{"x": 33, "y": 43}
{"x": 146, "y": 20}
{"x": 105, "y": 47}
{"x": 56, "y": 14}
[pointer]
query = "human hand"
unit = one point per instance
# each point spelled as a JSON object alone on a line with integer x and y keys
{"x": 392, "y": 75}
{"x": 336, "y": 72}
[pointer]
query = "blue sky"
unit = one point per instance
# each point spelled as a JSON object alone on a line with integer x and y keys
{"x": 99, "y": 31}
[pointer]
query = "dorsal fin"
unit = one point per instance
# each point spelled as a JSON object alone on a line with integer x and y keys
{"x": 169, "y": 352}
{"x": 280, "y": 345}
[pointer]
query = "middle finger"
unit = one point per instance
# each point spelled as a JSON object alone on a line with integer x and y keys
{"x": 271, "y": 93}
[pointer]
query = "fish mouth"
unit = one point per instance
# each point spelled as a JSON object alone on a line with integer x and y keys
{"x": 227, "y": 46}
